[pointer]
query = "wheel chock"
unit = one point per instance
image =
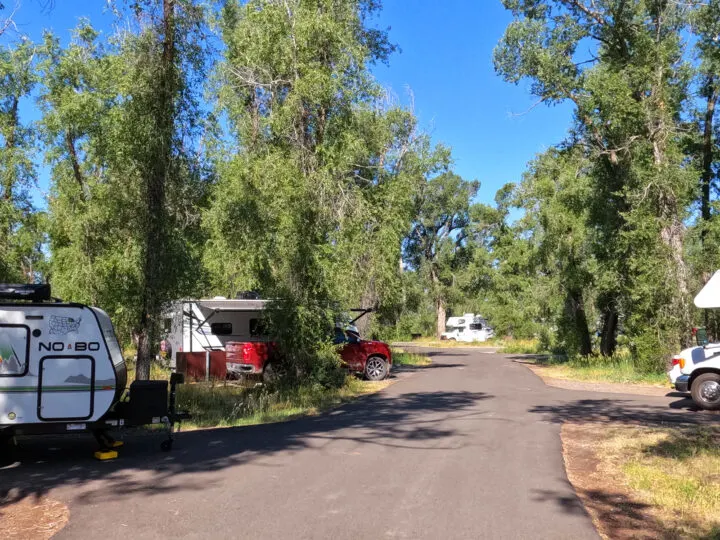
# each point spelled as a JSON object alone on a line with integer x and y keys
{"x": 116, "y": 444}
{"x": 104, "y": 455}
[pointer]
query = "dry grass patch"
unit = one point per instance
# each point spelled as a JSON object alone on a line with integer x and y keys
{"x": 447, "y": 344}
{"x": 647, "y": 482}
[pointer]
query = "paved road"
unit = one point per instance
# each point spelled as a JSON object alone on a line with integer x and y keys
{"x": 468, "y": 447}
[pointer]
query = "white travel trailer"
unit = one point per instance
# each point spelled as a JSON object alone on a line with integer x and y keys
{"x": 468, "y": 328}
{"x": 62, "y": 370}
{"x": 206, "y": 325}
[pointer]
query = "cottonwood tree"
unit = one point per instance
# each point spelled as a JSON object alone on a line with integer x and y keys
{"x": 629, "y": 92}
{"x": 435, "y": 245}
{"x": 120, "y": 119}
{"x": 21, "y": 234}
{"x": 315, "y": 181}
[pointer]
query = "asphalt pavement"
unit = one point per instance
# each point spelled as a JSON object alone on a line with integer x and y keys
{"x": 468, "y": 447}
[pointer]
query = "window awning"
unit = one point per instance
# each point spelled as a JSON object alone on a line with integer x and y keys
{"x": 232, "y": 305}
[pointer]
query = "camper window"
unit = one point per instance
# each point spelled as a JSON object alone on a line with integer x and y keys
{"x": 221, "y": 328}
{"x": 14, "y": 351}
{"x": 476, "y": 326}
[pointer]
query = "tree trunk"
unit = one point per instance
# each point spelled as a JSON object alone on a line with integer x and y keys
{"x": 575, "y": 307}
{"x": 369, "y": 300}
{"x": 608, "y": 337}
{"x": 440, "y": 310}
{"x": 159, "y": 171}
{"x": 707, "y": 155}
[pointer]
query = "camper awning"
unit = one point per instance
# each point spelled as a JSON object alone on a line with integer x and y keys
{"x": 232, "y": 305}
{"x": 709, "y": 295}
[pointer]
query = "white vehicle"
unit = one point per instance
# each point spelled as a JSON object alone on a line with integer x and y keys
{"x": 697, "y": 369}
{"x": 192, "y": 326}
{"x": 62, "y": 370}
{"x": 468, "y": 328}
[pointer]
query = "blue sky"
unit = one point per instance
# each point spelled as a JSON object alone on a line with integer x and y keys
{"x": 445, "y": 60}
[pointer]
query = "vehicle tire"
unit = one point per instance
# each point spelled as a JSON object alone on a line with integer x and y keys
{"x": 376, "y": 368}
{"x": 452, "y": 339}
{"x": 705, "y": 391}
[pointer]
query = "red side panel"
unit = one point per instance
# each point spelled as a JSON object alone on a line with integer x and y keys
{"x": 192, "y": 365}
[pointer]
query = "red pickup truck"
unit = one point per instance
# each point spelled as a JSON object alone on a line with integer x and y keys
{"x": 371, "y": 358}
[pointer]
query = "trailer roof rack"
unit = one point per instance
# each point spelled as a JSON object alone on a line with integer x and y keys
{"x": 27, "y": 292}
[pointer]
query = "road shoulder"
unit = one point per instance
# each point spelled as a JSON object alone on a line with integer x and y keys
{"x": 643, "y": 482}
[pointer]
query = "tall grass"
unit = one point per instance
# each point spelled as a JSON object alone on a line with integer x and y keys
{"x": 404, "y": 358}
{"x": 213, "y": 405}
{"x": 619, "y": 368}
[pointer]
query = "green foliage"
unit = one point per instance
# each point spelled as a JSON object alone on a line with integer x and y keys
{"x": 606, "y": 216}
{"x": 436, "y": 246}
{"x": 103, "y": 142}
{"x": 22, "y": 231}
{"x": 308, "y": 183}
{"x": 314, "y": 188}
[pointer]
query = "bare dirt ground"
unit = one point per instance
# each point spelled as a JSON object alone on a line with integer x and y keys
{"x": 614, "y": 511}
{"x": 33, "y": 518}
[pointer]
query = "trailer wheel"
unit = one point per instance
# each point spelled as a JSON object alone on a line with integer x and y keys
{"x": 705, "y": 391}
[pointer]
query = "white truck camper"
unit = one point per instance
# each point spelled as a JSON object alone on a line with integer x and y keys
{"x": 697, "y": 369}
{"x": 468, "y": 328}
{"x": 205, "y": 325}
{"x": 62, "y": 371}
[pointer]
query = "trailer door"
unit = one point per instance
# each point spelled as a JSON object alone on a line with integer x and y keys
{"x": 67, "y": 387}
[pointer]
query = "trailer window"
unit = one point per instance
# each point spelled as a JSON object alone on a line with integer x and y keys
{"x": 221, "y": 328}
{"x": 476, "y": 326}
{"x": 14, "y": 350}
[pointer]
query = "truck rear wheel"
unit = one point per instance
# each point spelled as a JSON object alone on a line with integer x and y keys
{"x": 705, "y": 391}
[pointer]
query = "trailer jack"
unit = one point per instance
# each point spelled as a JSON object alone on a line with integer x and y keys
{"x": 135, "y": 417}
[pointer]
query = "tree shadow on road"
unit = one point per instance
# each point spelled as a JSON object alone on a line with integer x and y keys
{"x": 620, "y": 411}
{"x": 407, "y": 421}
{"x": 411, "y": 368}
{"x": 619, "y": 515}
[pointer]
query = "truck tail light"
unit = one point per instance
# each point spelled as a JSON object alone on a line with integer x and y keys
{"x": 677, "y": 361}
